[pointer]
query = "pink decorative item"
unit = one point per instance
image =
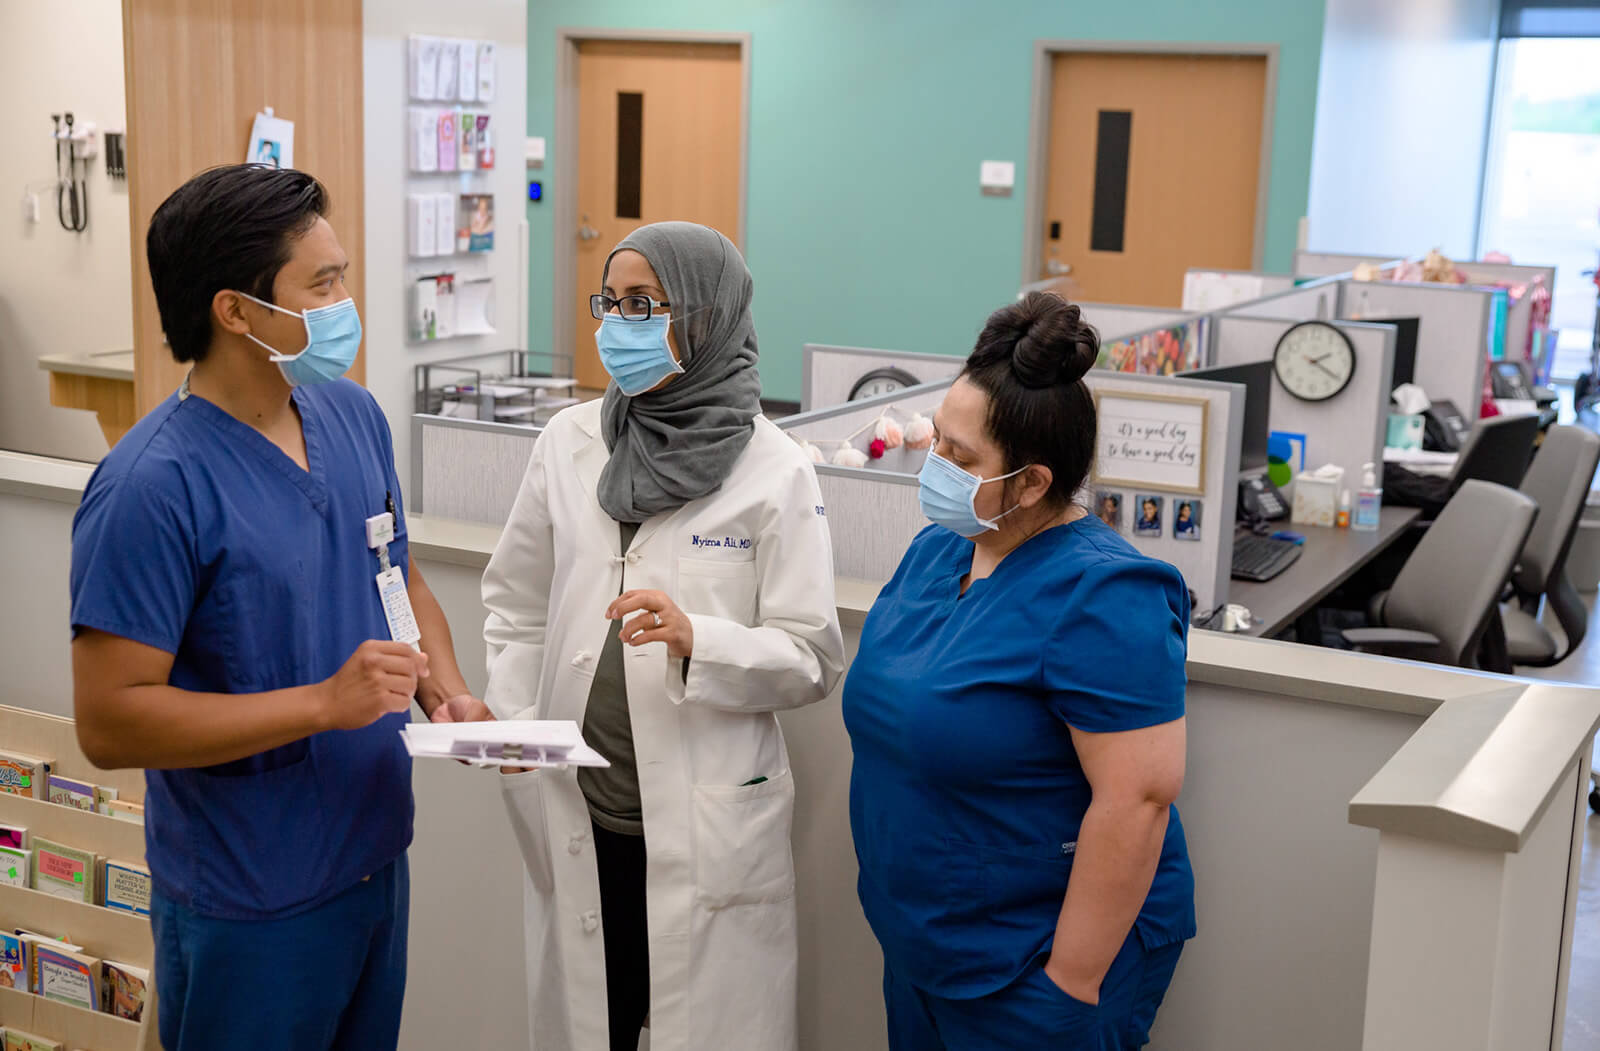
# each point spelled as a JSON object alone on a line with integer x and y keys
{"x": 890, "y": 433}
{"x": 919, "y": 432}
{"x": 875, "y": 449}
{"x": 1496, "y": 257}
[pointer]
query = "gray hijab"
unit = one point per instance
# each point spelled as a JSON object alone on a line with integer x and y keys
{"x": 679, "y": 443}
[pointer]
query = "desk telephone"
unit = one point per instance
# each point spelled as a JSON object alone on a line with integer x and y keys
{"x": 1443, "y": 427}
{"x": 1508, "y": 380}
{"x": 1259, "y": 498}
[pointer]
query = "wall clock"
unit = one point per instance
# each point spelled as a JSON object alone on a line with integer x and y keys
{"x": 1314, "y": 361}
{"x": 881, "y": 381}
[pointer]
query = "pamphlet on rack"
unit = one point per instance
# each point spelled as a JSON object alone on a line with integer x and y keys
{"x": 513, "y": 742}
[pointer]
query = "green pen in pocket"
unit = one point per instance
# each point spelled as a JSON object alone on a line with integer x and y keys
{"x": 754, "y": 781}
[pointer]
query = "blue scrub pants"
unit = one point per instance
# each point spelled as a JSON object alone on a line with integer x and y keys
{"x": 329, "y": 978}
{"x": 1032, "y": 1012}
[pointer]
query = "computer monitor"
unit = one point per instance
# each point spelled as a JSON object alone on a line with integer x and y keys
{"x": 1405, "y": 346}
{"x": 1257, "y": 380}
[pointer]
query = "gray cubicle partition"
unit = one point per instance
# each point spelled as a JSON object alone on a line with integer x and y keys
{"x": 828, "y": 374}
{"x": 1117, "y": 321}
{"x": 467, "y": 470}
{"x": 1520, "y": 313}
{"x": 1329, "y": 264}
{"x": 1314, "y": 301}
{"x": 1452, "y": 341}
{"x": 874, "y": 511}
{"x": 1347, "y": 430}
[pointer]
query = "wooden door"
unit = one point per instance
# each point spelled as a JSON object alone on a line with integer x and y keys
{"x": 1154, "y": 162}
{"x": 197, "y": 71}
{"x": 659, "y": 137}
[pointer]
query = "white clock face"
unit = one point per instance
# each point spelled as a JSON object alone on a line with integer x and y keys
{"x": 1314, "y": 361}
{"x": 873, "y": 388}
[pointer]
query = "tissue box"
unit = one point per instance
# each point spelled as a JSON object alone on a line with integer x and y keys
{"x": 1405, "y": 431}
{"x": 1316, "y": 497}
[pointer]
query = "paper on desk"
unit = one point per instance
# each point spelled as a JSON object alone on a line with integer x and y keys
{"x": 513, "y": 742}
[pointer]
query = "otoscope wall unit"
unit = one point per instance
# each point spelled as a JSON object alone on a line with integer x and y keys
{"x": 75, "y": 146}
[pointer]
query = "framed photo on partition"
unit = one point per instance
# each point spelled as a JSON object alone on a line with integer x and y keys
{"x": 1151, "y": 441}
{"x": 1186, "y": 519}
{"x": 1108, "y": 508}
{"x": 1147, "y": 515}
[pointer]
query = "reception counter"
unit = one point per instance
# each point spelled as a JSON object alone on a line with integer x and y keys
{"x": 1385, "y": 852}
{"x": 1370, "y": 838}
{"x": 100, "y": 382}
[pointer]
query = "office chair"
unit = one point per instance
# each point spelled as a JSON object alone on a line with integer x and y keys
{"x": 1449, "y": 589}
{"x": 1559, "y": 483}
{"x": 1497, "y": 450}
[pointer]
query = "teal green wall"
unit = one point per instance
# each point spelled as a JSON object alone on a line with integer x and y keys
{"x": 868, "y": 119}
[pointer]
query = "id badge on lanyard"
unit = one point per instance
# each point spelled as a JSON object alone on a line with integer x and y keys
{"x": 392, "y": 584}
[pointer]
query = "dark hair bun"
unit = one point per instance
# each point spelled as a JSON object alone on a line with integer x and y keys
{"x": 1049, "y": 342}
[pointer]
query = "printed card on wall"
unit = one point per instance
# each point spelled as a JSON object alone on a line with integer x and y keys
{"x": 1154, "y": 441}
{"x": 476, "y": 230}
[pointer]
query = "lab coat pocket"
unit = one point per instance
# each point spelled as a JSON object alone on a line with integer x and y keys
{"x": 524, "y": 796}
{"x": 716, "y": 588}
{"x": 741, "y": 843}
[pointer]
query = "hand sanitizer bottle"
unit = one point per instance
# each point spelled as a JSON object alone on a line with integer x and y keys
{"x": 1369, "y": 498}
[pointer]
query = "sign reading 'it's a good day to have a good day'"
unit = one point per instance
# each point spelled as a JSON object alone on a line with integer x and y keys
{"x": 1151, "y": 440}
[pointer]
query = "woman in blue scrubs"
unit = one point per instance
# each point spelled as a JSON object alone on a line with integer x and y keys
{"x": 1017, "y": 716}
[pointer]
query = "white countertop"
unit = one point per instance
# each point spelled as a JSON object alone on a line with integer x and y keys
{"x": 102, "y": 364}
{"x": 44, "y": 477}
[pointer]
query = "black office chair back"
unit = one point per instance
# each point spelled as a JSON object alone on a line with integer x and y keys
{"x": 1497, "y": 450}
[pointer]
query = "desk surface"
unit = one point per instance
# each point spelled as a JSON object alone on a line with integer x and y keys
{"x": 102, "y": 364}
{"x": 1331, "y": 557}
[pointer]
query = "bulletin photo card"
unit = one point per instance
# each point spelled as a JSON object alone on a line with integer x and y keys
{"x": 1186, "y": 519}
{"x": 1147, "y": 515}
{"x": 475, "y": 231}
{"x": 1108, "y": 508}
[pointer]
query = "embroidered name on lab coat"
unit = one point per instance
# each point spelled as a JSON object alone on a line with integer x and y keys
{"x": 738, "y": 543}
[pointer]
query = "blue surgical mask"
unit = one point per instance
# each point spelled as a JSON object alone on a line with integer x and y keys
{"x": 333, "y": 335}
{"x": 635, "y": 353}
{"x": 948, "y": 494}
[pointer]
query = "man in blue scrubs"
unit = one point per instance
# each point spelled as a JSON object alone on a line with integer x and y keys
{"x": 229, "y": 635}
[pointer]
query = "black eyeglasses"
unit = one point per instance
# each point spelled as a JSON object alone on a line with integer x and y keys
{"x": 633, "y": 308}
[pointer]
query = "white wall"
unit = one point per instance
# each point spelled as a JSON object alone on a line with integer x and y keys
{"x": 1402, "y": 115}
{"x": 390, "y": 358}
{"x": 60, "y": 292}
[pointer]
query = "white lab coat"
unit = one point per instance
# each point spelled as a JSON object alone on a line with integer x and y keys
{"x": 752, "y": 565}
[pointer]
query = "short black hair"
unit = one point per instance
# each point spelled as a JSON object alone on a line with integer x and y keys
{"x": 1030, "y": 360}
{"x": 232, "y": 227}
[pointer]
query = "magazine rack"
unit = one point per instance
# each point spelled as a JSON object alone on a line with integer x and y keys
{"x": 106, "y": 933}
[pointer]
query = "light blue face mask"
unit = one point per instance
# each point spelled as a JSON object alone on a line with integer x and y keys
{"x": 635, "y": 353}
{"x": 948, "y": 495}
{"x": 333, "y": 335}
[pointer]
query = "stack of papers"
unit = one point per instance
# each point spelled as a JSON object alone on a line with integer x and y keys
{"x": 514, "y": 742}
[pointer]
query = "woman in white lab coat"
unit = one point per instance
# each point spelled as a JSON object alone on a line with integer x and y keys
{"x": 666, "y": 581}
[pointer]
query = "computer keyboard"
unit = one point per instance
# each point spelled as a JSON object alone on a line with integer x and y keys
{"x": 1261, "y": 557}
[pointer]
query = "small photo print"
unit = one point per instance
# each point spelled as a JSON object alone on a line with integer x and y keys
{"x": 1186, "y": 520}
{"x": 268, "y": 153}
{"x": 1108, "y": 508}
{"x": 1147, "y": 515}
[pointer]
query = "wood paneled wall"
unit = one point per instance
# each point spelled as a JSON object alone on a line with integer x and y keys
{"x": 198, "y": 71}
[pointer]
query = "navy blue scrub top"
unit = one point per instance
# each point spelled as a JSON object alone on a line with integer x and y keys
{"x": 199, "y": 537}
{"x": 967, "y": 794}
